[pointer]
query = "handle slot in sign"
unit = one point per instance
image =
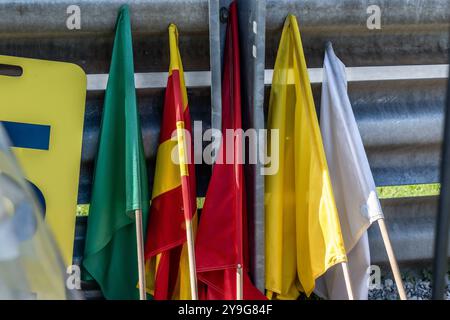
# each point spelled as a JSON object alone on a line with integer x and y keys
{"x": 9, "y": 70}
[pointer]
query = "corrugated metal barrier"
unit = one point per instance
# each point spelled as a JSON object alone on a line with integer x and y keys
{"x": 398, "y": 103}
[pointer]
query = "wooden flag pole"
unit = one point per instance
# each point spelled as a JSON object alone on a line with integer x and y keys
{"x": 191, "y": 257}
{"x": 348, "y": 283}
{"x": 187, "y": 206}
{"x": 239, "y": 283}
{"x": 140, "y": 253}
{"x": 392, "y": 260}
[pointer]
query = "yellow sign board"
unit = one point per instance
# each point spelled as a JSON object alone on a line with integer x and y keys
{"x": 42, "y": 108}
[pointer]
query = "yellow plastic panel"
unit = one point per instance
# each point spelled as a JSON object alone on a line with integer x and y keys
{"x": 48, "y": 97}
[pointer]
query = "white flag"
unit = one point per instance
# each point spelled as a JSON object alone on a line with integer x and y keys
{"x": 352, "y": 180}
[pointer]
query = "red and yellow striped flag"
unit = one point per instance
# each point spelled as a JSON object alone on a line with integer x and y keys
{"x": 167, "y": 266}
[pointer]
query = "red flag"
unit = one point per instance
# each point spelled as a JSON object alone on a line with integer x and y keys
{"x": 221, "y": 243}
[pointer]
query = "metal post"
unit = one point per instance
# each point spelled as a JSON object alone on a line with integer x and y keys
{"x": 252, "y": 18}
{"x": 440, "y": 265}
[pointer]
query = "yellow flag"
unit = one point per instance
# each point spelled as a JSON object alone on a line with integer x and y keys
{"x": 303, "y": 235}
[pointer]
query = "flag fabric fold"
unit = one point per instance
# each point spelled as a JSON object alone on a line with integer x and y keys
{"x": 303, "y": 234}
{"x": 221, "y": 243}
{"x": 120, "y": 179}
{"x": 166, "y": 252}
{"x": 352, "y": 180}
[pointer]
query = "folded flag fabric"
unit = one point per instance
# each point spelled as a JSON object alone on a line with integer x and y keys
{"x": 167, "y": 267}
{"x": 120, "y": 184}
{"x": 303, "y": 234}
{"x": 352, "y": 180}
{"x": 221, "y": 243}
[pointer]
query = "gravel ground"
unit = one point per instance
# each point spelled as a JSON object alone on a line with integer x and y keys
{"x": 417, "y": 286}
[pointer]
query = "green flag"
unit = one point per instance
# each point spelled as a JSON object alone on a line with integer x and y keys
{"x": 120, "y": 179}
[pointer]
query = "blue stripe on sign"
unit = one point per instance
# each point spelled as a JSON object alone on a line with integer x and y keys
{"x": 27, "y": 135}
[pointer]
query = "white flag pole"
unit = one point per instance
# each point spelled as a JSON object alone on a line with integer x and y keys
{"x": 348, "y": 283}
{"x": 392, "y": 260}
{"x": 191, "y": 257}
{"x": 239, "y": 283}
{"x": 140, "y": 254}
{"x": 186, "y": 194}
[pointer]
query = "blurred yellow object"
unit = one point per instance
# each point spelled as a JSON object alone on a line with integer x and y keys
{"x": 50, "y": 95}
{"x": 30, "y": 263}
{"x": 303, "y": 234}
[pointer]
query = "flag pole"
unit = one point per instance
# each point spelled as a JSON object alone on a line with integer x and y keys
{"x": 140, "y": 254}
{"x": 392, "y": 260}
{"x": 187, "y": 206}
{"x": 239, "y": 283}
{"x": 191, "y": 258}
{"x": 348, "y": 283}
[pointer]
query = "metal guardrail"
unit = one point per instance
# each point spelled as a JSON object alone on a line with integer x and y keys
{"x": 412, "y": 31}
{"x": 400, "y": 120}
